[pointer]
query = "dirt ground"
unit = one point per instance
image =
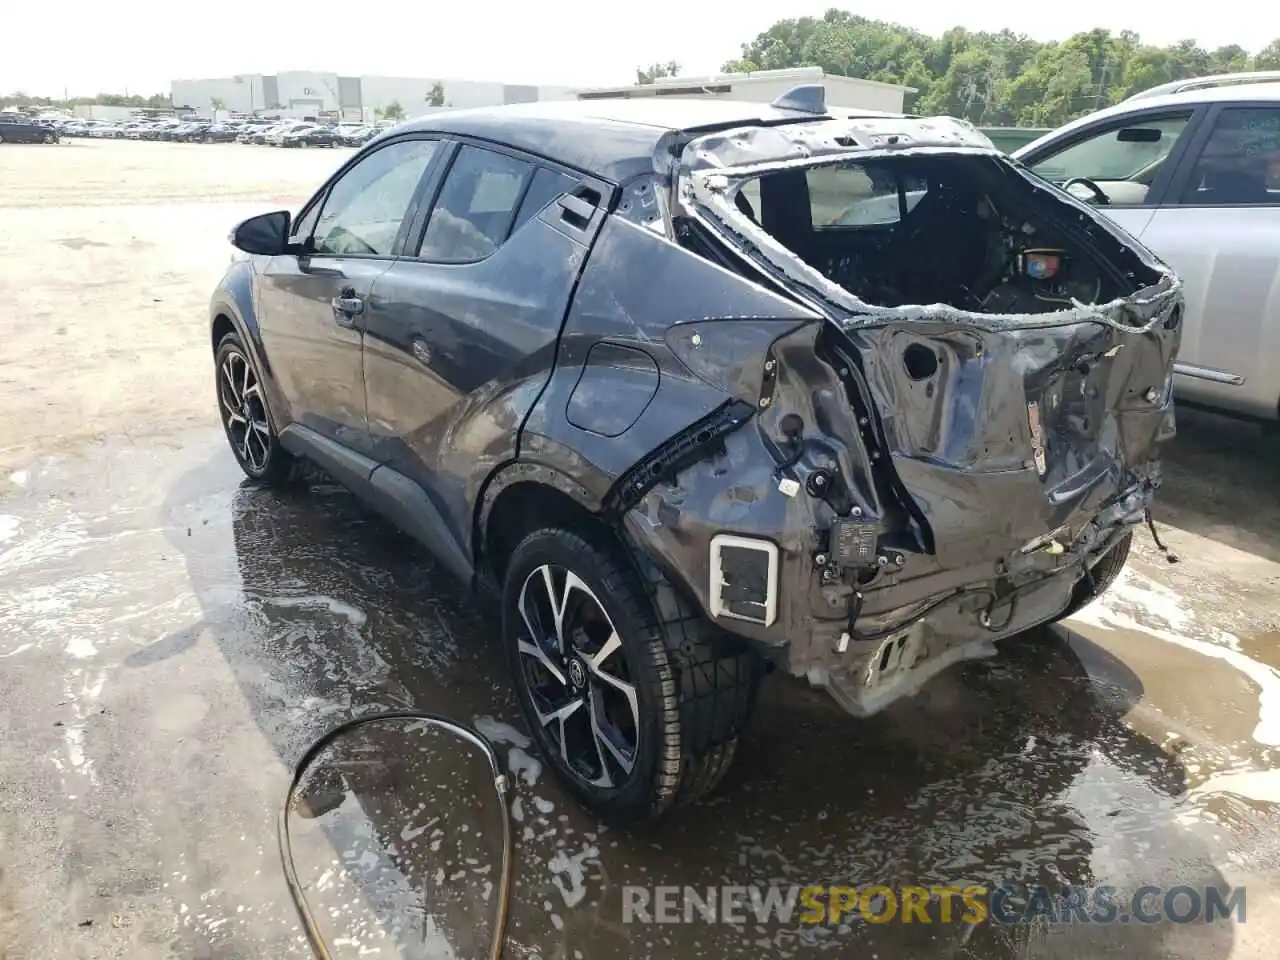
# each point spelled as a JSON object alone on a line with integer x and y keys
{"x": 171, "y": 640}
{"x": 109, "y": 251}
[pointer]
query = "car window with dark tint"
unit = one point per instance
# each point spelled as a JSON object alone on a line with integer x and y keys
{"x": 546, "y": 186}
{"x": 474, "y": 211}
{"x": 364, "y": 209}
{"x": 1240, "y": 162}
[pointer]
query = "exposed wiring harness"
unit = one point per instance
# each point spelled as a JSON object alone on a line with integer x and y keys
{"x": 501, "y": 788}
{"x": 1169, "y": 555}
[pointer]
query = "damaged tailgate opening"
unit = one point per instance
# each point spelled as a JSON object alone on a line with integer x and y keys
{"x": 972, "y": 428}
{"x": 893, "y": 219}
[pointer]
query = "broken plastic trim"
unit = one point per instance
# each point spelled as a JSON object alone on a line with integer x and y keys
{"x": 706, "y": 194}
{"x": 680, "y": 452}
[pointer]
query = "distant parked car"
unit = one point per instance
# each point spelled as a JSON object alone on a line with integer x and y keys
{"x": 163, "y": 130}
{"x": 19, "y": 129}
{"x": 358, "y": 136}
{"x": 309, "y": 136}
{"x": 194, "y": 132}
{"x": 184, "y": 131}
{"x": 278, "y": 133}
{"x": 219, "y": 133}
{"x": 1192, "y": 169}
{"x": 267, "y": 134}
{"x": 175, "y": 130}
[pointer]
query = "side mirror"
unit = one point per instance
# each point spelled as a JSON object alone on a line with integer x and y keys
{"x": 266, "y": 234}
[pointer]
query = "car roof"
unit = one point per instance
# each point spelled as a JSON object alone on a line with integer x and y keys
{"x": 613, "y": 138}
{"x": 1216, "y": 81}
{"x": 1136, "y": 104}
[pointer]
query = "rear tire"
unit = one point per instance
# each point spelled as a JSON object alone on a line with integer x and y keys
{"x": 246, "y": 419}
{"x": 661, "y": 697}
{"x": 1104, "y": 572}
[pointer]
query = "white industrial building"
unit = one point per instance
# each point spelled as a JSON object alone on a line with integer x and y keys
{"x": 765, "y": 86}
{"x": 305, "y": 93}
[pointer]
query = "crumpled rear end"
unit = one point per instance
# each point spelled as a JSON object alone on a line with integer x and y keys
{"x": 917, "y": 479}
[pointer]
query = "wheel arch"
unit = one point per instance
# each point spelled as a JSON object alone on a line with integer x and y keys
{"x": 519, "y": 498}
{"x": 231, "y": 311}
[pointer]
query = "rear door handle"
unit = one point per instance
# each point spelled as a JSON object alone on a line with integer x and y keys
{"x": 346, "y": 307}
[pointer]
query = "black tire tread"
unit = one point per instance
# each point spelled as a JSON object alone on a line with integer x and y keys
{"x": 1104, "y": 571}
{"x": 718, "y": 680}
{"x": 703, "y": 683}
{"x": 283, "y": 468}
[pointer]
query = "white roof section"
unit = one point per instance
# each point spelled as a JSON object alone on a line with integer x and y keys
{"x": 1216, "y": 81}
{"x": 722, "y": 82}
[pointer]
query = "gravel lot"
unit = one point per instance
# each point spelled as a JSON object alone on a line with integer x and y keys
{"x": 109, "y": 251}
{"x": 170, "y": 641}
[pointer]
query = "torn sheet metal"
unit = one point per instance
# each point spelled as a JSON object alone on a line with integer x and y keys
{"x": 714, "y": 168}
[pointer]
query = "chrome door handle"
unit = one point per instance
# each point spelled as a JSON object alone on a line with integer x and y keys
{"x": 346, "y": 309}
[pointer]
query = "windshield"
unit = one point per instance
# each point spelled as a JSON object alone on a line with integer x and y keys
{"x": 1131, "y": 153}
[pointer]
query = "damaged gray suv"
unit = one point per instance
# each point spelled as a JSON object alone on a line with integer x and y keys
{"x": 706, "y": 388}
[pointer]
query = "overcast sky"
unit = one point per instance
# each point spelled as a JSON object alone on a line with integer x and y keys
{"x": 85, "y": 47}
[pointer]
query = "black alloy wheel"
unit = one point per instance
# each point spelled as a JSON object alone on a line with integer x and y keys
{"x": 634, "y": 710}
{"x": 571, "y": 663}
{"x": 242, "y": 407}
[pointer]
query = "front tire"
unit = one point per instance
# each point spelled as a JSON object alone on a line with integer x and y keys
{"x": 632, "y": 710}
{"x": 246, "y": 419}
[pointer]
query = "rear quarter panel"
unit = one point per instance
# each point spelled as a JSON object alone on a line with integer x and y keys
{"x": 636, "y": 285}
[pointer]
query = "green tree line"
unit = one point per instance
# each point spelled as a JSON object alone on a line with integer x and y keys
{"x": 159, "y": 101}
{"x": 992, "y": 79}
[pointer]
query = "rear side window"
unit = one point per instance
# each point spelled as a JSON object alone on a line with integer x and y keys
{"x": 1240, "y": 162}
{"x": 476, "y": 206}
{"x": 547, "y": 185}
{"x": 860, "y": 195}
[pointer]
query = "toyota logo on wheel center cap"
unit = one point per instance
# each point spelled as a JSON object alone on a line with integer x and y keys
{"x": 577, "y": 673}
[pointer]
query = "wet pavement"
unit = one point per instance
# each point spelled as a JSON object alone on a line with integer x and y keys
{"x": 172, "y": 640}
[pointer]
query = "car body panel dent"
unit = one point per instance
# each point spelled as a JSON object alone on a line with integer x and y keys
{"x": 961, "y": 439}
{"x": 616, "y": 301}
{"x": 457, "y": 354}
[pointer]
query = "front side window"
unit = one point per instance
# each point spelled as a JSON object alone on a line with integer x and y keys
{"x": 1123, "y": 159}
{"x": 362, "y": 214}
{"x": 477, "y": 204}
{"x": 1240, "y": 162}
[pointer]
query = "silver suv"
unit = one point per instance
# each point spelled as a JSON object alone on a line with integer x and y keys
{"x": 1192, "y": 169}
